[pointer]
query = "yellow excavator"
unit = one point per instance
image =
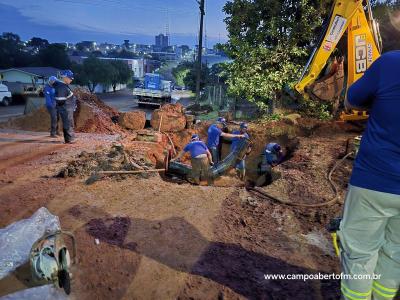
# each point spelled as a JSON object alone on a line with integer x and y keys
{"x": 318, "y": 82}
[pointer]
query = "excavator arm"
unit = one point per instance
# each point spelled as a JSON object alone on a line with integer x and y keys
{"x": 363, "y": 47}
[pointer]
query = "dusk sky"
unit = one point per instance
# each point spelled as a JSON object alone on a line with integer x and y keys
{"x": 111, "y": 20}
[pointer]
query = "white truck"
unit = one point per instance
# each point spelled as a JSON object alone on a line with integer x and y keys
{"x": 5, "y": 95}
{"x": 156, "y": 91}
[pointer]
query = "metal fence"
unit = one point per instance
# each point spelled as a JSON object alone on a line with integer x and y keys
{"x": 217, "y": 97}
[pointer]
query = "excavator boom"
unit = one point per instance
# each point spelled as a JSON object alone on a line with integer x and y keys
{"x": 363, "y": 48}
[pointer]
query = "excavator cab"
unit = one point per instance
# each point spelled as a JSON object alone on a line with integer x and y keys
{"x": 324, "y": 77}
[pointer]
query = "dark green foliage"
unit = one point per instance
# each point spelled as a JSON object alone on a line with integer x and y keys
{"x": 95, "y": 71}
{"x": 55, "y": 55}
{"x": 270, "y": 41}
{"x": 387, "y": 14}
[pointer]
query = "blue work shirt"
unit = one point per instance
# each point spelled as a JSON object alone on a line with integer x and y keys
{"x": 49, "y": 93}
{"x": 236, "y": 140}
{"x": 214, "y": 133}
{"x": 377, "y": 166}
{"x": 196, "y": 148}
{"x": 272, "y": 156}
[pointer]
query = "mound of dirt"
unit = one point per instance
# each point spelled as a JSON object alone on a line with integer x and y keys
{"x": 91, "y": 116}
{"x": 36, "y": 121}
{"x": 134, "y": 120}
{"x": 170, "y": 118}
{"x": 115, "y": 159}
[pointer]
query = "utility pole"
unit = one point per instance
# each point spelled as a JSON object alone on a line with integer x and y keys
{"x": 200, "y": 49}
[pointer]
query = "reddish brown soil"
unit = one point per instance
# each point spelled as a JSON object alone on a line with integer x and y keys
{"x": 162, "y": 240}
{"x": 91, "y": 116}
{"x": 169, "y": 117}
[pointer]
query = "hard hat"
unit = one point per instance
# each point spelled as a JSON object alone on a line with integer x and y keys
{"x": 222, "y": 121}
{"x": 277, "y": 147}
{"x": 52, "y": 79}
{"x": 244, "y": 125}
{"x": 67, "y": 73}
{"x": 195, "y": 137}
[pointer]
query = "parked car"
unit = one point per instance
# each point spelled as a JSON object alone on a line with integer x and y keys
{"x": 5, "y": 95}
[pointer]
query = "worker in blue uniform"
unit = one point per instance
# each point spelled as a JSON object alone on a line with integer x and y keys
{"x": 214, "y": 134}
{"x": 66, "y": 104}
{"x": 273, "y": 154}
{"x": 241, "y": 164}
{"x": 370, "y": 229}
{"x": 49, "y": 94}
{"x": 201, "y": 159}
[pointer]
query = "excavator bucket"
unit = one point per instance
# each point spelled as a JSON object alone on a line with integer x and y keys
{"x": 330, "y": 87}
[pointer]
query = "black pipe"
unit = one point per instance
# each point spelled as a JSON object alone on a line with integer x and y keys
{"x": 230, "y": 161}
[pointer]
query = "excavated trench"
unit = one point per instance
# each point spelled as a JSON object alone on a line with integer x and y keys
{"x": 224, "y": 173}
{"x": 311, "y": 151}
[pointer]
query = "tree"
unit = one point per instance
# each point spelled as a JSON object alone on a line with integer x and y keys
{"x": 387, "y": 14}
{"x": 218, "y": 74}
{"x": 181, "y": 71}
{"x": 122, "y": 73}
{"x": 96, "y": 53}
{"x": 9, "y": 36}
{"x": 185, "y": 75}
{"x": 270, "y": 41}
{"x": 11, "y": 52}
{"x": 55, "y": 55}
{"x": 122, "y": 54}
{"x": 38, "y": 42}
{"x": 80, "y": 75}
{"x": 95, "y": 71}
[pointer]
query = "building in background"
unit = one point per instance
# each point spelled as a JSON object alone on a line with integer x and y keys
{"x": 139, "y": 66}
{"x": 32, "y": 75}
{"x": 162, "y": 41}
{"x": 86, "y": 46}
{"x": 19, "y": 80}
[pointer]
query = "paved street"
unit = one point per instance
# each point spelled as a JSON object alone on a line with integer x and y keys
{"x": 122, "y": 100}
{"x": 7, "y": 112}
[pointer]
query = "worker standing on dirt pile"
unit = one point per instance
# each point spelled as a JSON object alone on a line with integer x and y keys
{"x": 66, "y": 104}
{"x": 214, "y": 134}
{"x": 241, "y": 165}
{"x": 49, "y": 94}
{"x": 370, "y": 229}
{"x": 201, "y": 159}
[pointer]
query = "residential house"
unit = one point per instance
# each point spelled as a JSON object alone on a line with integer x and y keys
{"x": 19, "y": 79}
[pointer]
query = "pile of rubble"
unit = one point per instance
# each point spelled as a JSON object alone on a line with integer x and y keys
{"x": 115, "y": 159}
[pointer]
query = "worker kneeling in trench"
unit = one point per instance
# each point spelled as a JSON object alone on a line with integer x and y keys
{"x": 272, "y": 156}
{"x": 201, "y": 159}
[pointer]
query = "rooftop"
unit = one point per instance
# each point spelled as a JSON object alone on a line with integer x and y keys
{"x": 44, "y": 72}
